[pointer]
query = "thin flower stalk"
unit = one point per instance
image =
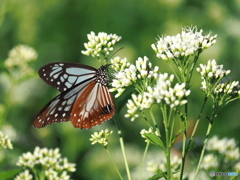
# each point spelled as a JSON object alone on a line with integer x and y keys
{"x": 210, "y": 125}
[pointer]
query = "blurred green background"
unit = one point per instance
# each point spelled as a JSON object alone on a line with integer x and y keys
{"x": 57, "y": 30}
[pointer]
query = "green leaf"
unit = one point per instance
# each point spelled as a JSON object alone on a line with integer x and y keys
{"x": 191, "y": 145}
{"x": 157, "y": 176}
{"x": 154, "y": 139}
{"x": 10, "y": 174}
{"x": 175, "y": 136}
{"x": 181, "y": 115}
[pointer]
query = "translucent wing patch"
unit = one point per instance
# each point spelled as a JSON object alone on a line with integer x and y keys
{"x": 59, "y": 109}
{"x": 63, "y": 76}
{"x": 94, "y": 106}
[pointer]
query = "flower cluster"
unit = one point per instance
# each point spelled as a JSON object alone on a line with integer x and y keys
{"x": 225, "y": 146}
{"x": 24, "y": 175}
{"x": 142, "y": 72}
{"x": 49, "y": 160}
{"x": 183, "y": 45}
{"x": 228, "y": 88}
{"x": 100, "y": 44}
{"x": 173, "y": 96}
{"x": 211, "y": 73}
{"x": 119, "y": 64}
{"x": 138, "y": 102}
{"x": 209, "y": 162}
{"x": 5, "y": 142}
{"x": 162, "y": 92}
{"x": 222, "y": 91}
{"x": 101, "y": 137}
{"x": 153, "y": 166}
{"x": 19, "y": 55}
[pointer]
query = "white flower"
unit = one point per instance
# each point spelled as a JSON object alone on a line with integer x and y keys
{"x": 5, "y": 142}
{"x": 230, "y": 88}
{"x": 119, "y": 64}
{"x": 209, "y": 162}
{"x": 48, "y": 159}
{"x": 183, "y": 45}
{"x": 225, "y": 146}
{"x": 24, "y": 175}
{"x": 101, "y": 137}
{"x": 212, "y": 70}
{"x": 153, "y": 166}
{"x": 102, "y": 43}
{"x": 19, "y": 55}
{"x": 138, "y": 103}
{"x": 129, "y": 74}
{"x": 173, "y": 96}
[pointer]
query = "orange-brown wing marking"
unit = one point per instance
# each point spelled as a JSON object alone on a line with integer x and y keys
{"x": 94, "y": 106}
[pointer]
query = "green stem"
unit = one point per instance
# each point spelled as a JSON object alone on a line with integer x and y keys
{"x": 110, "y": 156}
{"x": 123, "y": 150}
{"x": 7, "y": 102}
{"x": 198, "y": 119}
{"x": 124, "y": 154}
{"x": 184, "y": 146}
{"x": 168, "y": 143}
{"x": 203, "y": 150}
{"x": 143, "y": 159}
{"x": 192, "y": 68}
{"x": 154, "y": 122}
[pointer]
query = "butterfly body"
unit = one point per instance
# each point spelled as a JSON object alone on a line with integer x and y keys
{"x": 84, "y": 99}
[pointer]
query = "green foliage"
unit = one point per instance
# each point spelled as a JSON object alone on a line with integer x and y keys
{"x": 9, "y": 174}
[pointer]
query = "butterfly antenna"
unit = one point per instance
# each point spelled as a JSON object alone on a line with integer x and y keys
{"x": 115, "y": 52}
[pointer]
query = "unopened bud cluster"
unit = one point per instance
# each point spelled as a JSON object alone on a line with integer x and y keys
{"x": 100, "y": 44}
{"x": 101, "y": 137}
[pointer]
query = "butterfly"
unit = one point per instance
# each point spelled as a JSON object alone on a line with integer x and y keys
{"x": 84, "y": 99}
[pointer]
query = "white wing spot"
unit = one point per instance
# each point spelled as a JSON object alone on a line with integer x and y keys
{"x": 75, "y": 115}
{"x": 51, "y": 80}
{"x": 44, "y": 74}
{"x": 58, "y": 83}
{"x": 67, "y": 108}
{"x": 79, "y": 120}
{"x": 64, "y": 114}
{"x": 48, "y": 118}
{"x": 52, "y": 112}
{"x": 60, "y": 108}
{"x": 56, "y": 115}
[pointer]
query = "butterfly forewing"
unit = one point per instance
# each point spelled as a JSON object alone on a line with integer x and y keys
{"x": 84, "y": 98}
{"x": 63, "y": 76}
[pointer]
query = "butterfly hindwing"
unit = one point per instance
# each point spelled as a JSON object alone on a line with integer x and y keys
{"x": 63, "y": 76}
{"x": 93, "y": 107}
{"x": 59, "y": 109}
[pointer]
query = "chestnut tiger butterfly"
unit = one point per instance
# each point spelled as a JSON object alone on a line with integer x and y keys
{"x": 84, "y": 99}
